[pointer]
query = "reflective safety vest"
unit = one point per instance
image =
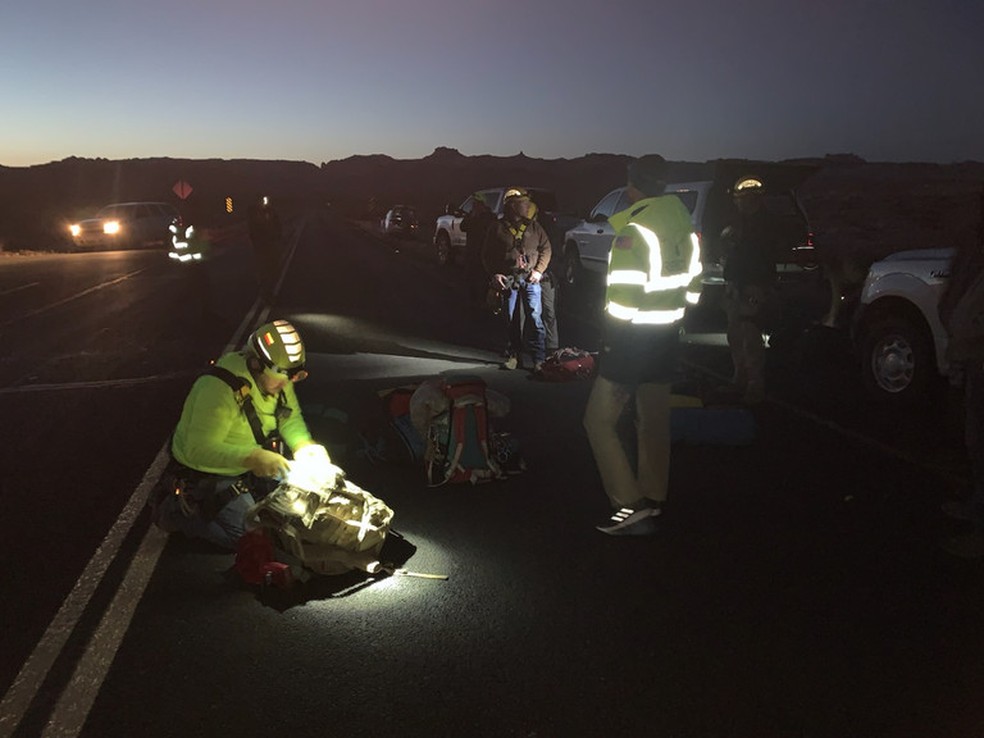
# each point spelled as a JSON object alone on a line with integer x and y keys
{"x": 185, "y": 245}
{"x": 654, "y": 267}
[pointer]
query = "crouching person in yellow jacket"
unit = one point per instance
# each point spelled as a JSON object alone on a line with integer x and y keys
{"x": 228, "y": 449}
{"x": 654, "y": 271}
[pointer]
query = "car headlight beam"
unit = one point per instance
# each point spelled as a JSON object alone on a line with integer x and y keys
{"x": 111, "y": 227}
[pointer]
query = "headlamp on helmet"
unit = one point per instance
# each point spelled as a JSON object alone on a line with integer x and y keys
{"x": 515, "y": 193}
{"x": 748, "y": 186}
{"x": 279, "y": 348}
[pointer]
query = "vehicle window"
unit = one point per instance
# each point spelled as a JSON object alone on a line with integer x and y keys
{"x": 144, "y": 211}
{"x": 110, "y": 211}
{"x": 544, "y": 199}
{"x": 688, "y": 198}
{"x": 493, "y": 198}
{"x": 623, "y": 201}
{"x": 781, "y": 205}
{"x": 607, "y": 205}
{"x": 468, "y": 204}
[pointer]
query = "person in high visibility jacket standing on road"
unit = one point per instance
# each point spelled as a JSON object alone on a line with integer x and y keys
{"x": 189, "y": 250}
{"x": 654, "y": 271}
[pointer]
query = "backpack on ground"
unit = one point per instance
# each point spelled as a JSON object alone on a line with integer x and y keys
{"x": 568, "y": 364}
{"x": 459, "y": 443}
{"x": 393, "y": 439}
{"x": 330, "y": 528}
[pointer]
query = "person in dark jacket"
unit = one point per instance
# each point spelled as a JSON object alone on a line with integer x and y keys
{"x": 750, "y": 278}
{"x": 475, "y": 225}
{"x": 515, "y": 254}
{"x": 961, "y": 311}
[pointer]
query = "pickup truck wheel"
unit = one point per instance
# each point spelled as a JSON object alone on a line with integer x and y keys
{"x": 897, "y": 360}
{"x": 443, "y": 244}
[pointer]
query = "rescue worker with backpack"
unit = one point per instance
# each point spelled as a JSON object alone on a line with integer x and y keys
{"x": 228, "y": 449}
{"x": 654, "y": 272}
{"x": 516, "y": 254}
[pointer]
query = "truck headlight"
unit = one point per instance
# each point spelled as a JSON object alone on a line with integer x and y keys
{"x": 111, "y": 227}
{"x": 75, "y": 229}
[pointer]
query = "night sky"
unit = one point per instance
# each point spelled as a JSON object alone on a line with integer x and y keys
{"x": 319, "y": 80}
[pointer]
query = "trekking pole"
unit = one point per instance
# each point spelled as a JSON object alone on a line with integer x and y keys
{"x": 393, "y": 571}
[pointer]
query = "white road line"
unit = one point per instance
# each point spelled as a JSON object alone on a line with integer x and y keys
{"x": 76, "y": 296}
{"x": 72, "y": 709}
{"x": 18, "y": 289}
{"x": 27, "y": 682}
{"x": 75, "y": 702}
{"x": 95, "y": 384}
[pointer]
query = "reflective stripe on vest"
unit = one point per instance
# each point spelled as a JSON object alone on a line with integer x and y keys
{"x": 181, "y": 250}
{"x": 664, "y": 294}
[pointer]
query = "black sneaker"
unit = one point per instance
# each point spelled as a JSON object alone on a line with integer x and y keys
{"x": 628, "y": 521}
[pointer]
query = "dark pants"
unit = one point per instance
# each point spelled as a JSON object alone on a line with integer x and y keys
{"x": 210, "y": 506}
{"x": 548, "y": 300}
{"x": 532, "y": 310}
{"x": 974, "y": 437}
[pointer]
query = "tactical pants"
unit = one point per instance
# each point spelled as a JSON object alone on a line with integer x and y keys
{"x": 744, "y": 308}
{"x": 187, "y": 513}
{"x": 625, "y": 487}
{"x": 548, "y": 300}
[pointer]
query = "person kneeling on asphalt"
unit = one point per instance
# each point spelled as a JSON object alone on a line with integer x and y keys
{"x": 228, "y": 447}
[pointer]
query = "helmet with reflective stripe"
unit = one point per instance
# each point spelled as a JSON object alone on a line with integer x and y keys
{"x": 748, "y": 186}
{"x": 515, "y": 193}
{"x": 279, "y": 347}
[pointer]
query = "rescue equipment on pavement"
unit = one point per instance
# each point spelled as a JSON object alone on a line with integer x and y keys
{"x": 328, "y": 525}
{"x": 567, "y": 364}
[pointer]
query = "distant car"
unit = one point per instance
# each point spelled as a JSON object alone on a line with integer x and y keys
{"x": 401, "y": 220}
{"x": 126, "y": 225}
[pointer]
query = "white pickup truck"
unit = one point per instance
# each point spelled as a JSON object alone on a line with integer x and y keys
{"x": 449, "y": 239}
{"x": 896, "y": 327}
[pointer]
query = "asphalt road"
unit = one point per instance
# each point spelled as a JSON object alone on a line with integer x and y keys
{"x": 795, "y": 587}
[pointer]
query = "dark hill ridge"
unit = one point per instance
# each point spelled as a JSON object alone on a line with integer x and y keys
{"x": 854, "y": 206}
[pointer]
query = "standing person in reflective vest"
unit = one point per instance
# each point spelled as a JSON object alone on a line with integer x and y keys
{"x": 654, "y": 271}
{"x": 189, "y": 251}
{"x": 228, "y": 449}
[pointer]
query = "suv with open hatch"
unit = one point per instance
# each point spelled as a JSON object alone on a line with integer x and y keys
{"x": 126, "y": 225}
{"x": 709, "y": 201}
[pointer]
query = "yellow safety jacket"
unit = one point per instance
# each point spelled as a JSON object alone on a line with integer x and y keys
{"x": 186, "y": 246}
{"x": 654, "y": 267}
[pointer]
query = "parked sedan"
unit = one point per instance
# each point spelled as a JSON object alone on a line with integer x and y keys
{"x": 401, "y": 220}
{"x": 126, "y": 225}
